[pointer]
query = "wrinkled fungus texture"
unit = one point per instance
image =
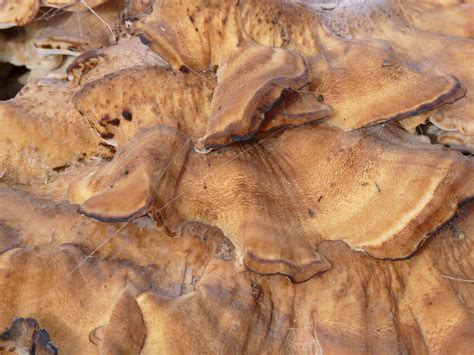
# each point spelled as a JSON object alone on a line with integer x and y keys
{"x": 203, "y": 176}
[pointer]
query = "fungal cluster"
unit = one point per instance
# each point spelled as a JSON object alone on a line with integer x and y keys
{"x": 237, "y": 176}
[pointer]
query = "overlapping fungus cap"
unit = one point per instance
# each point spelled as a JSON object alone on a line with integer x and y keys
{"x": 118, "y": 97}
{"x": 144, "y": 291}
{"x": 452, "y": 139}
{"x": 104, "y": 281}
{"x": 453, "y": 19}
{"x": 353, "y": 77}
{"x": 276, "y": 205}
{"x": 293, "y": 202}
{"x": 19, "y": 13}
{"x": 444, "y": 48}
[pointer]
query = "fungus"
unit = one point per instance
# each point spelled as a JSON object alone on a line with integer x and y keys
{"x": 191, "y": 294}
{"x": 279, "y": 237}
{"x": 316, "y": 223}
{"x": 134, "y": 170}
{"x": 13, "y": 13}
{"x": 18, "y": 49}
{"x": 258, "y": 88}
{"x": 453, "y": 20}
{"x": 437, "y": 54}
{"x": 77, "y": 32}
{"x": 153, "y": 94}
{"x": 47, "y": 132}
{"x": 351, "y": 70}
{"x": 456, "y": 140}
{"x": 449, "y": 56}
{"x": 46, "y": 297}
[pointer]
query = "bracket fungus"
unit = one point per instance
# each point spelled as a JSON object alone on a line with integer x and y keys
{"x": 400, "y": 23}
{"x": 330, "y": 212}
{"x": 209, "y": 34}
{"x": 369, "y": 173}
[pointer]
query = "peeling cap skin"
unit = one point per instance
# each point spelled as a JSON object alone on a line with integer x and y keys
{"x": 337, "y": 189}
{"x": 74, "y": 33}
{"x": 41, "y": 132}
{"x": 355, "y": 76}
{"x": 15, "y": 13}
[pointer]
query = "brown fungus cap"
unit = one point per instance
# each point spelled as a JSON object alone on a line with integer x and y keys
{"x": 416, "y": 295}
{"x": 134, "y": 169}
{"x": 119, "y": 97}
{"x": 126, "y": 53}
{"x": 187, "y": 295}
{"x": 434, "y": 51}
{"x": 17, "y": 13}
{"x": 293, "y": 202}
{"x": 100, "y": 286}
{"x": 119, "y": 104}
{"x": 77, "y": 32}
{"x": 364, "y": 84}
{"x": 257, "y": 76}
{"x": 353, "y": 77}
{"x": 344, "y": 180}
{"x": 448, "y": 55}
